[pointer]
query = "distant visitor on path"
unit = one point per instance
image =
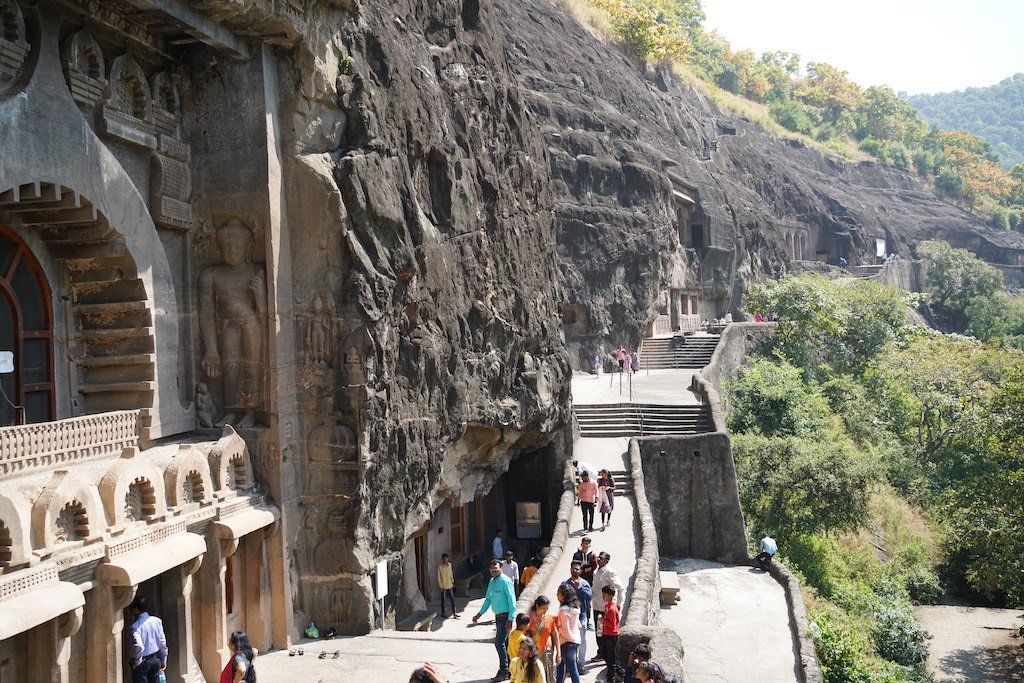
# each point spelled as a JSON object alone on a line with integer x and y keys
{"x": 149, "y": 644}
{"x": 627, "y": 362}
{"x": 605, "y": 576}
{"x": 605, "y": 497}
{"x": 446, "y": 582}
{"x": 620, "y": 356}
{"x": 531, "y": 568}
{"x": 759, "y": 317}
{"x": 510, "y": 568}
{"x": 599, "y": 364}
{"x": 587, "y": 494}
{"x": 498, "y": 545}
{"x": 768, "y": 549}
{"x": 635, "y": 360}
{"x": 501, "y": 599}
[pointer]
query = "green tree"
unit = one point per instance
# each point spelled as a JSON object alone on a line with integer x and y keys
{"x": 997, "y": 318}
{"x": 883, "y": 115}
{"x": 772, "y": 399}
{"x": 829, "y": 92}
{"x": 956, "y": 275}
{"x": 839, "y": 323}
{"x": 792, "y": 485}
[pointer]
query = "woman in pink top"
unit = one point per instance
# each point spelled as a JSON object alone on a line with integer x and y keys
{"x": 568, "y": 633}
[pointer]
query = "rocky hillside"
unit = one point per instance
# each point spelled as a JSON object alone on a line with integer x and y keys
{"x": 615, "y": 132}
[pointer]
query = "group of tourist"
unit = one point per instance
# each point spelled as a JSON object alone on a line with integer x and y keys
{"x": 627, "y": 361}
{"x": 148, "y": 655}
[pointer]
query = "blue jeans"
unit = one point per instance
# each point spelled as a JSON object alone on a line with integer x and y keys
{"x": 448, "y": 593}
{"x": 583, "y": 640}
{"x": 568, "y": 663}
{"x": 501, "y": 640}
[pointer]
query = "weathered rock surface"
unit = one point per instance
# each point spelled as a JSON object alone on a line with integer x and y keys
{"x": 615, "y": 131}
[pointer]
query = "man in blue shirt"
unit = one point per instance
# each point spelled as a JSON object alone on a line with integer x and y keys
{"x": 586, "y": 595}
{"x": 501, "y": 597}
{"x": 149, "y": 645}
{"x": 497, "y": 545}
{"x": 768, "y": 549}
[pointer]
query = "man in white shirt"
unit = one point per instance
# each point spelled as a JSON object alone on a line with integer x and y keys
{"x": 510, "y": 568}
{"x": 604, "y": 575}
{"x": 149, "y": 645}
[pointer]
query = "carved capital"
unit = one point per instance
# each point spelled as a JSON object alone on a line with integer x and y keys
{"x": 69, "y": 623}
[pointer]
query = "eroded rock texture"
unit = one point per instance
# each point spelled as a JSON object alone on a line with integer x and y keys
{"x": 614, "y": 136}
{"x": 426, "y": 282}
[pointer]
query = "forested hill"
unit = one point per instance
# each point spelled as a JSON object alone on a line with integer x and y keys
{"x": 995, "y": 114}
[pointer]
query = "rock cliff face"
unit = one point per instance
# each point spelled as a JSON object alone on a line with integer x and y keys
{"x": 616, "y": 135}
{"x": 427, "y": 290}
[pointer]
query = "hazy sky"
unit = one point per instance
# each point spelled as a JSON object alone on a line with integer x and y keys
{"x": 913, "y": 45}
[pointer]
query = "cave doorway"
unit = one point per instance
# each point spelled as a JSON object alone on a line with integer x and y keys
{"x": 422, "y": 560}
{"x": 697, "y": 236}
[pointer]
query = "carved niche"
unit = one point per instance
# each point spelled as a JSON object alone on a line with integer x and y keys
{"x": 14, "y": 44}
{"x": 85, "y": 68}
{"x": 333, "y": 461}
{"x": 127, "y": 113}
{"x": 233, "y": 326}
{"x": 171, "y": 180}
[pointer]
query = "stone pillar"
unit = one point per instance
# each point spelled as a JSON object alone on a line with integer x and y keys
{"x": 66, "y": 625}
{"x": 177, "y": 600}
{"x": 256, "y": 589}
{"x": 280, "y": 588}
{"x": 213, "y": 648}
{"x": 104, "y": 623}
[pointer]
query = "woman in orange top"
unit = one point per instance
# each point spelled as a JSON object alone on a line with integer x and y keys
{"x": 530, "y": 570}
{"x": 544, "y": 631}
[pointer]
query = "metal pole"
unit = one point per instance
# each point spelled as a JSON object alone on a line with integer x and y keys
{"x": 621, "y": 370}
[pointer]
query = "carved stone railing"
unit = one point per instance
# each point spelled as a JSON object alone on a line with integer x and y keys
{"x": 23, "y": 581}
{"x": 44, "y": 445}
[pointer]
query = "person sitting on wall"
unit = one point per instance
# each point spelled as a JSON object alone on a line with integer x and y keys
{"x": 768, "y": 549}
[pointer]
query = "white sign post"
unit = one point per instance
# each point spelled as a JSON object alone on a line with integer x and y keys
{"x": 380, "y": 587}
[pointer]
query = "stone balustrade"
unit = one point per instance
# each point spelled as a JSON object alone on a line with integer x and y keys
{"x": 46, "y": 445}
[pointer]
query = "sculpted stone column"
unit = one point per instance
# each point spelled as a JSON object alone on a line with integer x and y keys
{"x": 232, "y": 321}
{"x": 256, "y": 589}
{"x": 49, "y": 648}
{"x": 280, "y": 588}
{"x": 177, "y": 599}
{"x": 213, "y": 648}
{"x": 104, "y": 621}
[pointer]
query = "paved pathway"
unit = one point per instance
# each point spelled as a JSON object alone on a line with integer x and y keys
{"x": 733, "y": 622}
{"x": 665, "y": 387}
{"x": 973, "y": 644}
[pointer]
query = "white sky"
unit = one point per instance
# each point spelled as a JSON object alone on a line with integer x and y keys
{"x": 912, "y": 45}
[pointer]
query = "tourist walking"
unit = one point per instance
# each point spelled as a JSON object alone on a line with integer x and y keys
{"x": 605, "y": 576}
{"x": 527, "y": 667}
{"x": 543, "y": 629}
{"x": 446, "y": 582}
{"x": 587, "y": 559}
{"x": 635, "y": 360}
{"x": 239, "y": 668}
{"x": 587, "y": 494}
{"x": 510, "y": 568}
{"x": 620, "y": 356}
{"x": 606, "y": 497}
{"x": 608, "y": 631}
{"x": 584, "y": 595}
{"x": 627, "y": 362}
{"x": 149, "y": 644}
{"x": 498, "y": 545}
{"x": 501, "y": 599}
{"x": 570, "y": 633}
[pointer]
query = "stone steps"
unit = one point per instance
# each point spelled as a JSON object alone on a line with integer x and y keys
{"x": 626, "y": 419}
{"x": 660, "y": 353}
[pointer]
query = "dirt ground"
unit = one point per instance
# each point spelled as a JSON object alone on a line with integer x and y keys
{"x": 973, "y": 644}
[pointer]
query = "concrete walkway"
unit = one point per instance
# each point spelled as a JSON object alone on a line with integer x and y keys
{"x": 733, "y": 622}
{"x": 663, "y": 387}
{"x": 973, "y": 644}
{"x": 620, "y": 540}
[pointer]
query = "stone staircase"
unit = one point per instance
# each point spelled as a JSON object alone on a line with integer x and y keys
{"x": 659, "y": 353}
{"x": 112, "y": 344}
{"x": 623, "y": 482}
{"x": 867, "y": 272}
{"x": 629, "y": 419}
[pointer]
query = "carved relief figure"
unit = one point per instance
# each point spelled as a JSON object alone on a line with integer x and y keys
{"x": 320, "y": 331}
{"x": 232, "y": 311}
{"x": 204, "y": 405}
